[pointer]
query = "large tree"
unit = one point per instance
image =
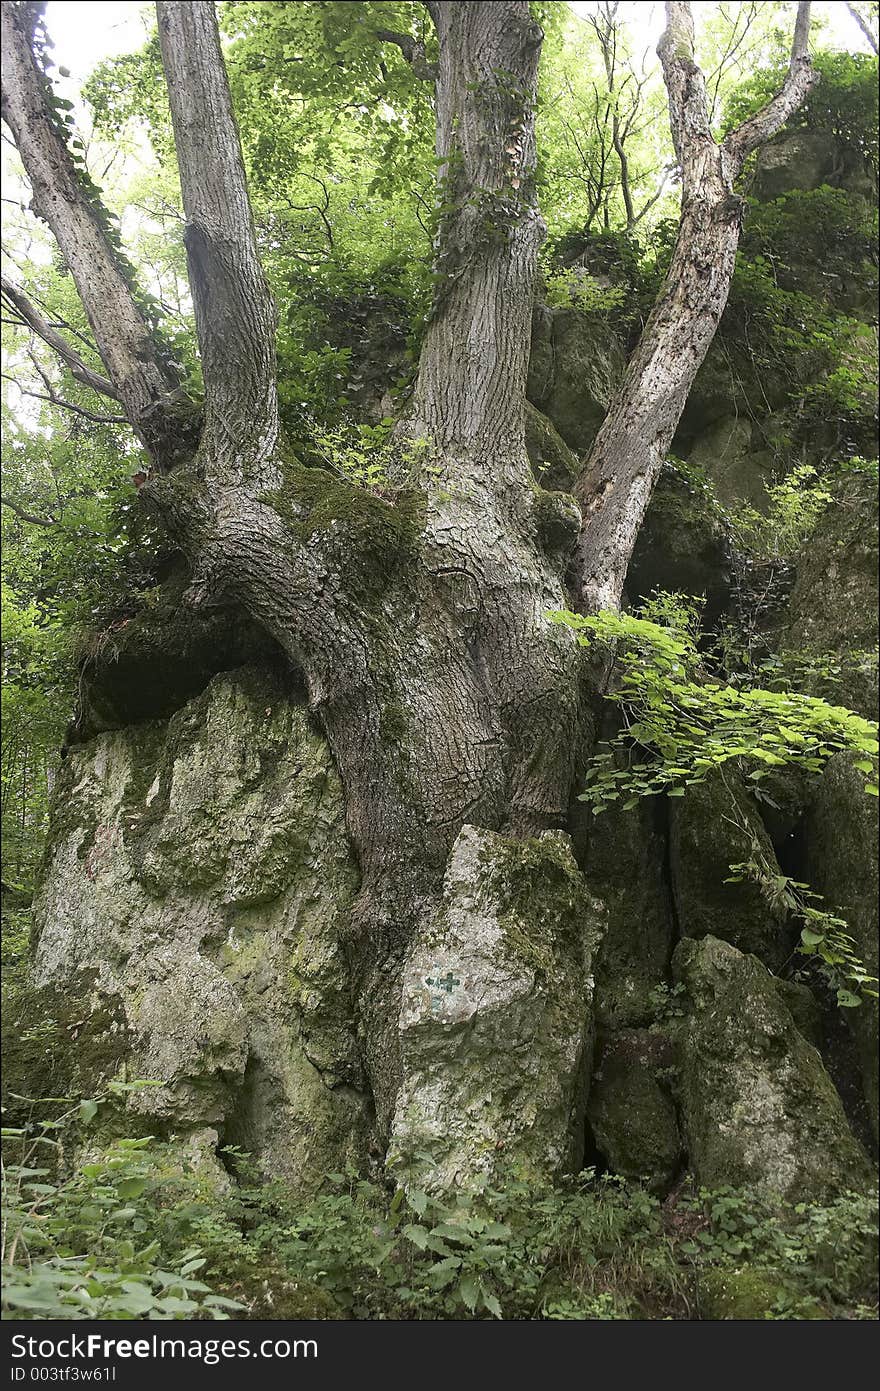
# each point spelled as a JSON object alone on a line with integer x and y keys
{"x": 418, "y": 618}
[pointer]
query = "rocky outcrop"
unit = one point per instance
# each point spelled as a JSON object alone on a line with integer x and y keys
{"x": 496, "y": 1023}
{"x": 841, "y": 837}
{"x": 683, "y": 545}
{"x": 712, "y": 827}
{"x": 625, "y": 864}
{"x": 631, "y": 1111}
{"x": 758, "y": 1108}
{"x": 199, "y": 874}
{"x": 554, "y": 465}
{"x": 834, "y": 602}
{"x": 726, "y": 452}
{"x": 576, "y": 364}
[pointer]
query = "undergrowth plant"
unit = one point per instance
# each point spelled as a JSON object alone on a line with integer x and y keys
{"x": 80, "y": 1239}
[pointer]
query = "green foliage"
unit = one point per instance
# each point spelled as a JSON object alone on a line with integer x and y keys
{"x": 843, "y": 102}
{"x": 824, "y": 936}
{"x": 796, "y": 503}
{"x": 594, "y": 1248}
{"x": 79, "y": 1240}
{"x": 584, "y": 291}
{"x": 370, "y": 457}
{"x": 680, "y": 725}
{"x": 817, "y": 1253}
{"x": 686, "y": 724}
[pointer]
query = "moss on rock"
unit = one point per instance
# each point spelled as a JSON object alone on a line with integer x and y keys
{"x": 758, "y": 1108}
{"x": 707, "y": 836}
{"x": 200, "y": 869}
{"x": 630, "y": 1110}
{"x": 747, "y": 1293}
{"x": 496, "y": 1024}
{"x": 840, "y": 847}
{"x": 369, "y": 537}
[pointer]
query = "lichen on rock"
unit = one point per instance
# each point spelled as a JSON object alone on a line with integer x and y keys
{"x": 199, "y": 869}
{"x": 496, "y": 1016}
{"x": 758, "y": 1108}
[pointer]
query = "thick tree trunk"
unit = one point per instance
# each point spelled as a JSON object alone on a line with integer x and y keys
{"x": 447, "y": 697}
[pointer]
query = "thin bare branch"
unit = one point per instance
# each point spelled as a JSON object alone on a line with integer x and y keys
{"x": 30, "y": 316}
{"x": 51, "y": 395}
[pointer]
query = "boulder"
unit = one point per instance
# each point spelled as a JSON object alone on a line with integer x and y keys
{"x": 683, "y": 544}
{"x": 834, "y": 601}
{"x": 496, "y": 1018}
{"x": 198, "y": 873}
{"x": 554, "y": 465}
{"x": 840, "y": 849}
{"x": 758, "y": 1108}
{"x": 631, "y": 1112}
{"x": 576, "y": 363}
{"x": 711, "y": 827}
{"x": 737, "y": 470}
{"x": 625, "y": 865}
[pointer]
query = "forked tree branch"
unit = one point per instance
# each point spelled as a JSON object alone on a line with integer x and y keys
{"x": 799, "y": 80}
{"x": 618, "y": 476}
{"x": 413, "y": 51}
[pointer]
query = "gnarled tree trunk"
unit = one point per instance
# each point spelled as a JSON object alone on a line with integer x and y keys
{"x": 419, "y": 622}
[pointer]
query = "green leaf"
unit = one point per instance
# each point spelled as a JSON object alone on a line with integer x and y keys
{"x": 469, "y": 1293}
{"x": 491, "y": 1303}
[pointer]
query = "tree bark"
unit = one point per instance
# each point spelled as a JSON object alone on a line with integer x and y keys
{"x": 621, "y": 469}
{"x": 234, "y": 310}
{"x": 445, "y": 695}
{"x": 62, "y": 197}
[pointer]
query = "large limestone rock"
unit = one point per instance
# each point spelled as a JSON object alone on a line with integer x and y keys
{"x": 834, "y": 602}
{"x": 710, "y": 828}
{"x": 738, "y": 470}
{"x": 631, "y": 1111}
{"x": 757, "y": 1105}
{"x": 841, "y": 836}
{"x": 496, "y": 1017}
{"x": 683, "y": 544}
{"x": 625, "y": 864}
{"x": 575, "y": 367}
{"x": 553, "y": 463}
{"x": 199, "y": 875}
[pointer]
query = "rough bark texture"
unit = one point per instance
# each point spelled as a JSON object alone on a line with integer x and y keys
{"x": 446, "y": 696}
{"x": 452, "y": 709}
{"x": 235, "y": 313}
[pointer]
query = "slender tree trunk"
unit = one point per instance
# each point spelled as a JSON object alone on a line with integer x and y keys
{"x": 621, "y": 469}
{"x": 63, "y": 196}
